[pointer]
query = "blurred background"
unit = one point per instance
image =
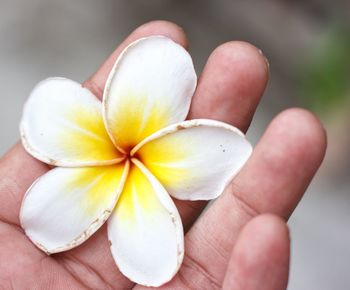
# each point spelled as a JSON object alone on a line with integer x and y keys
{"x": 308, "y": 46}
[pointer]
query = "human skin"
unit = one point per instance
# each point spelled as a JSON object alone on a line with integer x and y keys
{"x": 240, "y": 242}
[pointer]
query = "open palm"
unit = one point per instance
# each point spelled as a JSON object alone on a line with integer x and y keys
{"x": 240, "y": 242}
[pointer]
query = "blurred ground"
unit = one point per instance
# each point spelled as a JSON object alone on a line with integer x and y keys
{"x": 41, "y": 38}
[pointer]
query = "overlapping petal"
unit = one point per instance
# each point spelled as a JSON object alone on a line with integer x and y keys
{"x": 66, "y": 206}
{"x": 62, "y": 125}
{"x": 145, "y": 230}
{"x": 195, "y": 160}
{"x": 149, "y": 88}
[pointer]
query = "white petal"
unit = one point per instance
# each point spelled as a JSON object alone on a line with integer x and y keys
{"x": 62, "y": 125}
{"x": 195, "y": 160}
{"x": 145, "y": 230}
{"x": 66, "y": 206}
{"x": 149, "y": 88}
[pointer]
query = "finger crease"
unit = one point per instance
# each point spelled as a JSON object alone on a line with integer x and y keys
{"x": 243, "y": 204}
{"x": 67, "y": 262}
{"x": 184, "y": 281}
{"x": 8, "y": 188}
{"x": 193, "y": 264}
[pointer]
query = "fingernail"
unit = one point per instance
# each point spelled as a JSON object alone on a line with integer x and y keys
{"x": 265, "y": 58}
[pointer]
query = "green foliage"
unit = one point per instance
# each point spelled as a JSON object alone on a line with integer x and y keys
{"x": 326, "y": 77}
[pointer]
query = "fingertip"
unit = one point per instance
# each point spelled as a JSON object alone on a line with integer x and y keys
{"x": 304, "y": 126}
{"x": 311, "y": 122}
{"x": 266, "y": 234}
{"x": 244, "y": 55}
{"x": 260, "y": 259}
{"x": 231, "y": 85}
{"x": 284, "y": 162}
{"x": 270, "y": 230}
{"x": 162, "y": 27}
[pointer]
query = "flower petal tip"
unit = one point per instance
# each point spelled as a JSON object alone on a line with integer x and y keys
{"x": 62, "y": 125}
{"x": 145, "y": 231}
{"x": 75, "y": 209}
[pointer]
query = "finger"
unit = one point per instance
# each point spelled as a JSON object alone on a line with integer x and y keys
{"x": 273, "y": 180}
{"x": 229, "y": 90}
{"x": 231, "y": 84}
{"x": 260, "y": 258}
{"x": 18, "y": 170}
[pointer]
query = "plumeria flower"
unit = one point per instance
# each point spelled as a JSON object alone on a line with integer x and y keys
{"x": 124, "y": 159}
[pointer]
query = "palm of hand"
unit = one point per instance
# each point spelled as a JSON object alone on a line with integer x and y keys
{"x": 228, "y": 246}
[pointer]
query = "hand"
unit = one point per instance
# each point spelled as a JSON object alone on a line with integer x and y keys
{"x": 228, "y": 246}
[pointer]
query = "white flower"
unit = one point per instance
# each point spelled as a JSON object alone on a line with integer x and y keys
{"x": 122, "y": 160}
